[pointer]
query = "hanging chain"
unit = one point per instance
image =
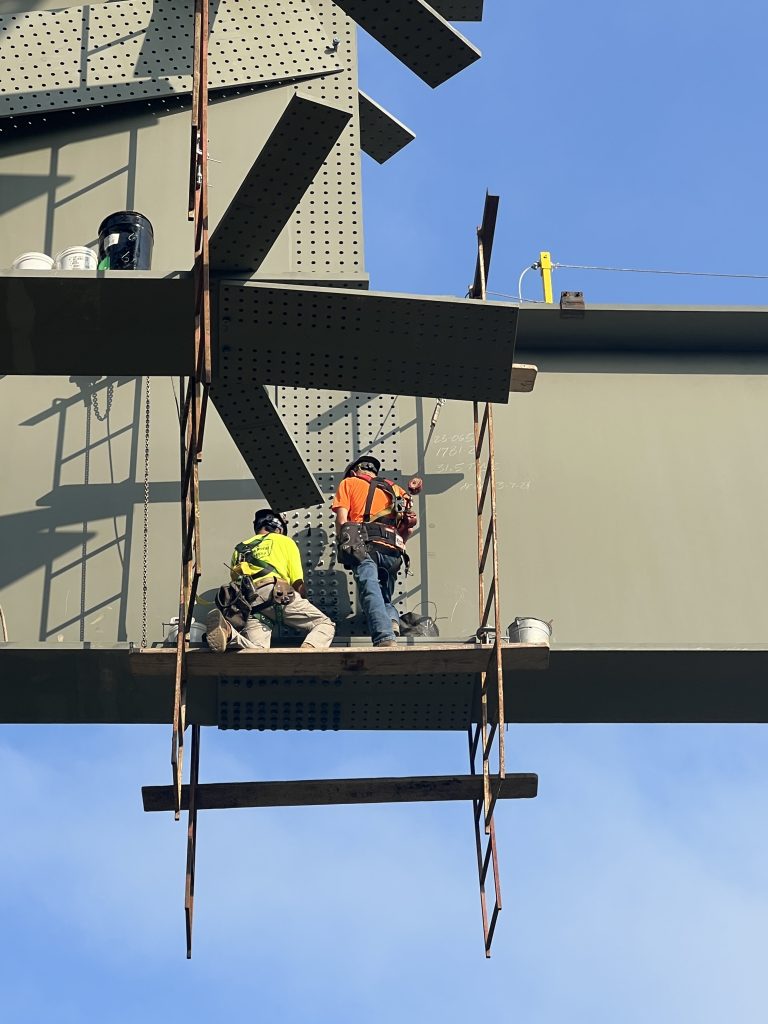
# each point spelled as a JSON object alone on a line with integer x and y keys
{"x": 84, "y": 549}
{"x": 145, "y": 549}
{"x": 110, "y": 396}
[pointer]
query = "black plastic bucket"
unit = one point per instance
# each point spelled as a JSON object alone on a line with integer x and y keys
{"x": 125, "y": 242}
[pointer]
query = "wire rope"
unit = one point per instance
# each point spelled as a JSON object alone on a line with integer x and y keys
{"x": 651, "y": 270}
{"x": 624, "y": 270}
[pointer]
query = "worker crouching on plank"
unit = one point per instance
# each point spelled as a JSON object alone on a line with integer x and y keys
{"x": 267, "y": 587}
{"x": 374, "y": 519}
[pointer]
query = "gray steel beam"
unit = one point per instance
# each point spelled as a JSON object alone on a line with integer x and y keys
{"x": 304, "y": 134}
{"x": 129, "y": 324}
{"x": 266, "y": 446}
{"x": 486, "y": 233}
{"x": 416, "y": 34}
{"x": 76, "y": 683}
{"x": 359, "y": 341}
{"x": 672, "y": 329}
{"x": 381, "y": 134}
{"x": 459, "y": 10}
{"x": 92, "y": 323}
{"x": 636, "y": 685}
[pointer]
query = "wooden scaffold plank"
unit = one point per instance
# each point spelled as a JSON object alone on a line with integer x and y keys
{"x": 317, "y": 792}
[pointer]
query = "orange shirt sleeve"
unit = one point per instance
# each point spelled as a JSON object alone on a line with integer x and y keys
{"x": 342, "y": 498}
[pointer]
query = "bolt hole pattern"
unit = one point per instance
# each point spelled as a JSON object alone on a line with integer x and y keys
{"x": 348, "y": 338}
{"x": 370, "y": 703}
{"x": 326, "y": 229}
{"x": 262, "y": 439}
{"x": 131, "y": 49}
{"x": 333, "y": 428}
{"x": 304, "y": 135}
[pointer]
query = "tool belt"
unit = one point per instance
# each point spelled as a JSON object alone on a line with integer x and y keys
{"x": 234, "y": 601}
{"x": 353, "y": 544}
{"x": 386, "y": 538}
{"x": 238, "y": 600}
{"x": 382, "y": 535}
{"x": 281, "y": 593}
{"x": 358, "y": 541}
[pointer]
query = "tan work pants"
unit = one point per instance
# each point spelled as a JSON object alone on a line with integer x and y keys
{"x": 299, "y": 614}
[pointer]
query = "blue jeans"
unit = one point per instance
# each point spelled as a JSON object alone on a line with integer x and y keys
{"x": 375, "y": 578}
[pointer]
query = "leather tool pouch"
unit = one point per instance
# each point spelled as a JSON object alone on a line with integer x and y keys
{"x": 282, "y": 593}
{"x": 234, "y": 605}
{"x": 353, "y": 540}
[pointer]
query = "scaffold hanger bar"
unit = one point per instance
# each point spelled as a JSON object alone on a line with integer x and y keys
{"x": 316, "y": 792}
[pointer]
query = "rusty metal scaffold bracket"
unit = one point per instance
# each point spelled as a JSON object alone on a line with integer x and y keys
{"x": 487, "y": 733}
{"x": 193, "y": 392}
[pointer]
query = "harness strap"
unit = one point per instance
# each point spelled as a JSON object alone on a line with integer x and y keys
{"x": 389, "y": 490}
{"x": 247, "y": 551}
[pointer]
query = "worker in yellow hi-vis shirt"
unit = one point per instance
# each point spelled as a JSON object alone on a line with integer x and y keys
{"x": 270, "y": 563}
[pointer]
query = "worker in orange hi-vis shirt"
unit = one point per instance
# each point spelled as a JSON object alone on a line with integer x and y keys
{"x": 374, "y": 519}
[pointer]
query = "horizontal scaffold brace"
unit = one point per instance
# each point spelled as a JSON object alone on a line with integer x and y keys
{"x": 315, "y": 792}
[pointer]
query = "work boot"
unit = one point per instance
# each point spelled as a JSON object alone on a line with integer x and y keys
{"x": 219, "y": 631}
{"x": 396, "y": 627}
{"x": 386, "y": 643}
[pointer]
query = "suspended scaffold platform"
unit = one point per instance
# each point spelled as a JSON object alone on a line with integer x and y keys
{"x": 425, "y": 685}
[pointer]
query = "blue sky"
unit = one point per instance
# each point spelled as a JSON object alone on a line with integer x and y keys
{"x": 635, "y": 886}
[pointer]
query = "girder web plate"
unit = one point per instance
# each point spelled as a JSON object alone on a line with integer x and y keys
{"x": 326, "y": 231}
{"x": 381, "y": 134}
{"x": 349, "y": 339}
{"x": 245, "y": 702}
{"x": 416, "y": 35}
{"x": 138, "y": 49}
{"x": 334, "y": 427}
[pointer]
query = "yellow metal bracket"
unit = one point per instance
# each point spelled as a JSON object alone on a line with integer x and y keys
{"x": 545, "y": 266}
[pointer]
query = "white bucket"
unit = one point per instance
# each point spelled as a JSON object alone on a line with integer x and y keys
{"x": 76, "y": 257}
{"x": 196, "y": 631}
{"x": 530, "y": 631}
{"x": 33, "y": 261}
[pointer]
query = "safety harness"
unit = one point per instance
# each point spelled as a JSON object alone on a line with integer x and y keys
{"x": 240, "y": 598}
{"x": 382, "y": 530}
{"x": 246, "y": 552}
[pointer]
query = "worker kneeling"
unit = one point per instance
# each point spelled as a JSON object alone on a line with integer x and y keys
{"x": 267, "y": 588}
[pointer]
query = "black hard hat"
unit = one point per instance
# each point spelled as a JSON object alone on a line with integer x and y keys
{"x": 275, "y": 522}
{"x": 367, "y": 463}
